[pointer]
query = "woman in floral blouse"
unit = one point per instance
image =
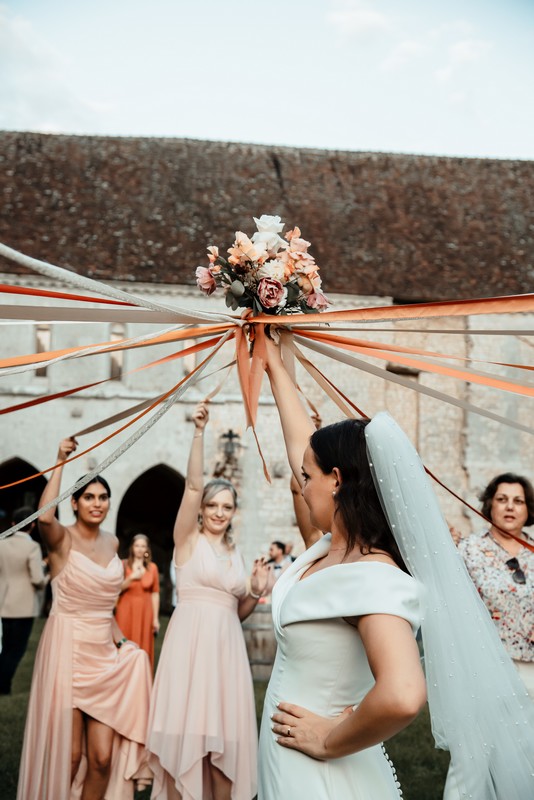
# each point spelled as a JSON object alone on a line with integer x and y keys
{"x": 502, "y": 568}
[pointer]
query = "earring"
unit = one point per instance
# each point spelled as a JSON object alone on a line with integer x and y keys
{"x": 146, "y": 555}
{"x": 334, "y": 494}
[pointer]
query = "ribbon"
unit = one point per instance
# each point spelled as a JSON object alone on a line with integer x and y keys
{"x": 471, "y": 376}
{"x": 12, "y": 365}
{"x": 166, "y": 400}
{"x": 314, "y": 331}
{"x": 27, "y": 290}
{"x": 333, "y": 391}
{"x": 511, "y": 304}
{"x": 47, "y": 398}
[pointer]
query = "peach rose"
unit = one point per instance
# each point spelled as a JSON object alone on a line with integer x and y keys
{"x": 305, "y": 284}
{"x": 244, "y": 250}
{"x": 213, "y": 253}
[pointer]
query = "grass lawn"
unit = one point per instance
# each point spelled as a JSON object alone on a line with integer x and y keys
{"x": 420, "y": 767}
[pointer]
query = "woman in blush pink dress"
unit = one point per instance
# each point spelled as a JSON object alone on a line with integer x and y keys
{"x": 202, "y": 727}
{"x": 88, "y": 708}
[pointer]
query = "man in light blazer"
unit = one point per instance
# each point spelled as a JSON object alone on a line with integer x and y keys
{"x": 21, "y": 576}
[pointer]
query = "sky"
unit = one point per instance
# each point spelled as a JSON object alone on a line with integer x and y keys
{"x": 435, "y": 77}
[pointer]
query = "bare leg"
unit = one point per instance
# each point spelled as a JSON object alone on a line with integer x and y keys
{"x": 221, "y": 786}
{"x": 99, "y": 744}
{"x": 77, "y": 739}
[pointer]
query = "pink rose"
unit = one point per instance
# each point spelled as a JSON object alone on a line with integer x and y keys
{"x": 317, "y": 300}
{"x": 271, "y": 293}
{"x": 205, "y": 281}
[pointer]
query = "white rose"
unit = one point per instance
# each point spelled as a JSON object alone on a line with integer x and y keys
{"x": 270, "y": 241}
{"x": 269, "y": 224}
{"x": 272, "y": 269}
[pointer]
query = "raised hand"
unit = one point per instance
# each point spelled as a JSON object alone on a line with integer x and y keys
{"x": 259, "y": 576}
{"x": 201, "y": 416}
{"x": 66, "y": 448}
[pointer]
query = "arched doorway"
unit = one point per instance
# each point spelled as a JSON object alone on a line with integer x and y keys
{"x": 149, "y": 506}
{"x": 24, "y": 494}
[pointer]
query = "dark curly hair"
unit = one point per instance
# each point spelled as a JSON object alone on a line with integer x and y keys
{"x": 343, "y": 445}
{"x": 486, "y": 498}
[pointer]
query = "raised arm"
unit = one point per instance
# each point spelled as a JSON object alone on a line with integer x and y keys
{"x": 186, "y": 525}
{"x": 297, "y": 426}
{"x": 50, "y": 528}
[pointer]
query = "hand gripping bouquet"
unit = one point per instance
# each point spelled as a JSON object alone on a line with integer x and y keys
{"x": 266, "y": 273}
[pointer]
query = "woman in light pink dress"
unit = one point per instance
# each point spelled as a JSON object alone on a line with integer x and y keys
{"x": 88, "y": 709}
{"x": 202, "y": 728}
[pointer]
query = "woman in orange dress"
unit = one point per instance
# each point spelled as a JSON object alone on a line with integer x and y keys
{"x": 137, "y": 611}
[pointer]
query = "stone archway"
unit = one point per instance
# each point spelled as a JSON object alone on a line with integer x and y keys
{"x": 149, "y": 506}
{"x": 24, "y": 494}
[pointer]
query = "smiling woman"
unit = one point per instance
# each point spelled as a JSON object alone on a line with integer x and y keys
{"x": 202, "y": 729}
{"x": 502, "y": 567}
{"x": 84, "y": 735}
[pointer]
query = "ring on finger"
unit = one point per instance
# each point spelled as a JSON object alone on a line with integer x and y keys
{"x": 288, "y": 731}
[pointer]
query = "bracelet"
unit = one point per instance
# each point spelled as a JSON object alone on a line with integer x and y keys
{"x": 198, "y": 435}
{"x": 255, "y": 596}
{"x": 120, "y": 643}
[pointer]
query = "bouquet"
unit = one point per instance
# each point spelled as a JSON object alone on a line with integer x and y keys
{"x": 266, "y": 273}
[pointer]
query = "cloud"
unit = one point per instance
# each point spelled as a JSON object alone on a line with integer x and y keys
{"x": 356, "y": 19}
{"x": 35, "y": 93}
{"x": 460, "y": 54}
{"x": 403, "y": 53}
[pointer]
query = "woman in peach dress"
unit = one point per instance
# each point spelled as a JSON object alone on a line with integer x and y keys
{"x": 86, "y": 723}
{"x": 137, "y": 612}
{"x": 202, "y": 728}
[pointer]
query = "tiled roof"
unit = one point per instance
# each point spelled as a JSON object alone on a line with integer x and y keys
{"x": 413, "y": 227}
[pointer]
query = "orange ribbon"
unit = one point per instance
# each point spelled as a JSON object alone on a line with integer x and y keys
{"x": 111, "y": 347}
{"x": 511, "y": 304}
{"x": 6, "y": 289}
{"x": 156, "y": 402}
{"x": 39, "y": 400}
{"x": 424, "y": 366}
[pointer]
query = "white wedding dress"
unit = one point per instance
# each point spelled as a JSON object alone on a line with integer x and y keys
{"x": 321, "y": 664}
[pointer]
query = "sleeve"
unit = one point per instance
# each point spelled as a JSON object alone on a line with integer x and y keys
{"x": 35, "y": 567}
{"x": 355, "y": 590}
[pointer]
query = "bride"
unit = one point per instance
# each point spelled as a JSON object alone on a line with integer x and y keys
{"x": 347, "y": 674}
